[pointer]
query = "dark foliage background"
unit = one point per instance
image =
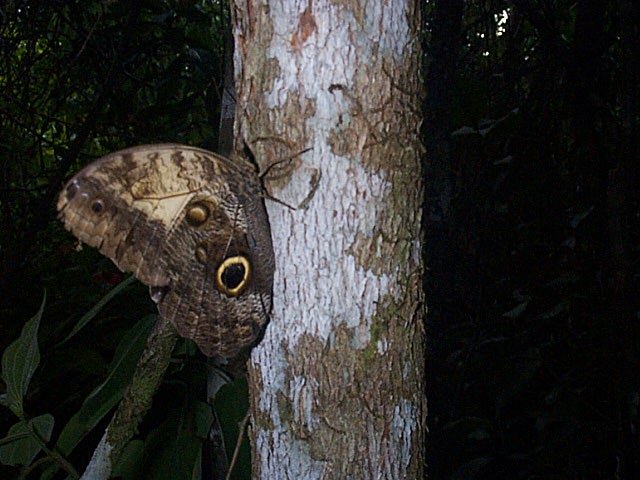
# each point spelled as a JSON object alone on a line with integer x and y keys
{"x": 79, "y": 79}
{"x": 531, "y": 218}
{"x": 532, "y": 169}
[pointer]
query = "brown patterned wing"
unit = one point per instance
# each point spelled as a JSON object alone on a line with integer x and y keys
{"x": 190, "y": 224}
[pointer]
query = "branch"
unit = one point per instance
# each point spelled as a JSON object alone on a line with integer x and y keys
{"x": 137, "y": 400}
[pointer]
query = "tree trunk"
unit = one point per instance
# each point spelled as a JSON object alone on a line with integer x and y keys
{"x": 337, "y": 383}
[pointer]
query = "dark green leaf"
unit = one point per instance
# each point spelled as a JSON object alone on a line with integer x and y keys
{"x": 471, "y": 469}
{"x": 87, "y": 317}
{"x": 20, "y": 361}
{"x": 130, "y": 465}
{"x": 231, "y": 405}
{"x": 517, "y": 310}
{"x": 578, "y": 218}
{"x": 173, "y": 449}
{"x": 109, "y": 393}
{"x": 22, "y": 447}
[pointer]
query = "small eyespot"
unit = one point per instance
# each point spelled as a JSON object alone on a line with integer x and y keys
{"x": 97, "y": 206}
{"x": 232, "y": 275}
{"x": 72, "y": 189}
{"x": 198, "y": 213}
{"x": 201, "y": 252}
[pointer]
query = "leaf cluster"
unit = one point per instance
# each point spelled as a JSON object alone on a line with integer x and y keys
{"x": 78, "y": 80}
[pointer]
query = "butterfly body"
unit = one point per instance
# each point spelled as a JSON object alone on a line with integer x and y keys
{"x": 192, "y": 226}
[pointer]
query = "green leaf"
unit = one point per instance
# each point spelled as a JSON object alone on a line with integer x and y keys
{"x": 20, "y": 446}
{"x": 87, "y": 317}
{"x": 108, "y": 394}
{"x": 231, "y": 405}
{"x": 471, "y": 469}
{"x": 20, "y": 361}
{"x": 172, "y": 450}
{"x": 130, "y": 465}
{"x": 578, "y": 218}
{"x": 517, "y": 310}
{"x": 463, "y": 131}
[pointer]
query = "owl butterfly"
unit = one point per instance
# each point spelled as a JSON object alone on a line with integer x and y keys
{"x": 192, "y": 226}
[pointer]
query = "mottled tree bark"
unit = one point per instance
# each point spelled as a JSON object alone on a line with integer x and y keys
{"x": 337, "y": 383}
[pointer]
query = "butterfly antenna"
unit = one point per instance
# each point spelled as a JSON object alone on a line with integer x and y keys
{"x": 288, "y": 159}
{"x": 268, "y": 196}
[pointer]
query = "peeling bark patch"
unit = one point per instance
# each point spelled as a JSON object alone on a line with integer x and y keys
{"x": 327, "y": 417}
{"x": 391, "y": 25}
{"x": 294, "y": 458}
{"x": 303, "y": 403}
{"x": 306, "y": 27}
{"x": 402, "y": 430}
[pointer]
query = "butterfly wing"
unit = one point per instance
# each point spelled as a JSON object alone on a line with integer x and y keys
{"x": 190, "y": 224}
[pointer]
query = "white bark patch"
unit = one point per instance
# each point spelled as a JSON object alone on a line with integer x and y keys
{"x": 326, "y": 58}
{"x": 288, "y": 464}
{"x": 402, "y": 428}
{"x": 323, "y": 60}
{"x": 392, "y": 26}
{"x": 99, "y": 467}
{"x": 342, "y": 291}
{"x": 396, "y": 445}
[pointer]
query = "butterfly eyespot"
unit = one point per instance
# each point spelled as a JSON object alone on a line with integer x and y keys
{"x": 97, "y": 206}
{"x": 201, "y": 253}
{"x": 232, "y": 275}
{"x": 197, "y": 214}
{"x": 72, "y": 189}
